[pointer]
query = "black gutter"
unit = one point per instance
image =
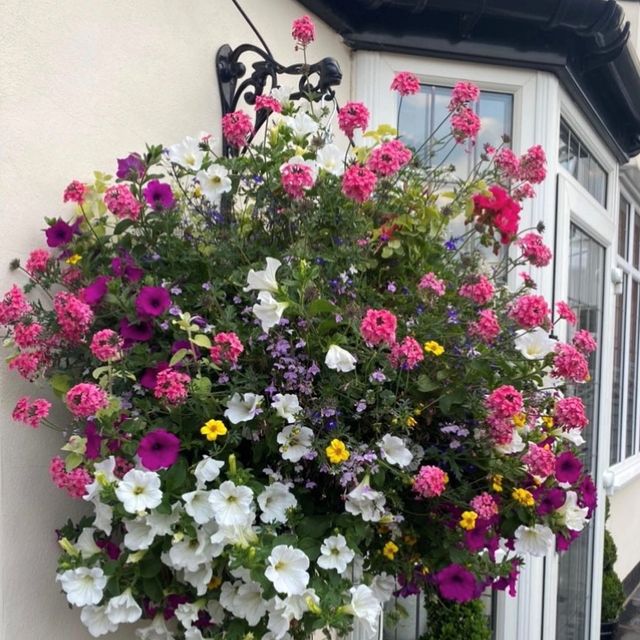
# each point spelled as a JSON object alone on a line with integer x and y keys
{"x": 583, "y": 42}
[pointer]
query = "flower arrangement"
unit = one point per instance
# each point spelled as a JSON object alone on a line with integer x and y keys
{"x": 291, "y": 393}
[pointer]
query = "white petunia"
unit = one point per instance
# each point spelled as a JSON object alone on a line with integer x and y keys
{"x": 574, "y": 436}
{"x": 104, "y": 516}
{"x": 197, "y": 505}
{"x": 287, "y": 569}
{"x": 190, "y": 553}
{"x": 365, "y": 502}
{"x": 287, "y": 406}
{"x": 366, "y": 608}
{"x": 214, "y": 182}
{"x": 157, "y": 630}
{"x": 200, "y": 578}
{"x": 331, "y": 159}
{"x": 264, "y": 280}
{"x": 86, "y": 543}
{"x": 139, "y": 534}
{"x": 243, "y": 408}
{"x": 228, "y": 593}
{"x": 269, "y": 311}
{"x": 139, "y": 490}
{"x": 282, "y": 94}
{"x": 534, "y": 344}
{"x": 193, "y": 634}
{"x": 83, "y": 585}
{"x": 517, "y": 444}
{"x": 162, "y": 523}
{"x": 239, "y": 535}
{"x": 295, "y": 442}
{"x": 335, "y": 553}
{"x": 207, "y": 470}
{"x": 249, "y": 603}
{"x": 96, "y": 621}
{"x": 187, "y": 154}
{"x": 302, "y": 124}
{"x": 123, "y": 608}
{"x": 339, "y": 359}
{"x": 394, "y": 451}
{"x": 187, "y": 613}
{"x": 571, "y": 515}
{"x": 232, "y": 504}
{"x": 274, "y": 502}
{"x": 383, "y": 586}
{"x": 537, "y": 541}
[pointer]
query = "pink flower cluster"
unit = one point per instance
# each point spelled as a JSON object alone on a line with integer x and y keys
{"x": 584, "y": 341}
{"x": 405, "y": 83}
{"x": 121, "y": 202}
{"x": 73, "y": 482}
{"x": 379, "y": 326}
{"x": 358, "y": 183}
{"x": 534, "y": 249}
{"x": 354, "y": 115}
{"x": 106, "y": 345}
{"x": 75, "y": 192}
{"x": 74, "y": 316}
{"x": 508, "y": 163}
{"x": 505, "y": 401}
{"x": 26, "y": 335}
{"x": 465, "y": 125}
{"x": 406, "y": 355}
{"x": 570, "y": 413}
{"x": 569, "y": 363}
{"x": 31, "y": 412}
{"x": 86, "y": 399}
{"x": 566, "y": 313}
{"x": 296, "y": 178}
{"x": 172, "y": 386}
{"x": 226, "y": 348}
{"x": 523, "y": 191}
{"x": 237, "y": 127}
{"x": 498, "y": 210}
{"x": 303, "y": 31}
{"x": 485, "y": 506}
{"x": 269, "y": 103}
{"x": 389, "y": 158}
{"x": 540, "y": 461}
{"x": 486, "y": 327}
{"x": 13, "y": 306}
{"x": 462, "y": 94}
{"x": 500, "y": 429}
{"x": 530, "y": 311}
{"x": 533, "y": 165}
{"x": 27, "y": 364}
{"x": 430, "y": 481}
{"x": 480, "y": 291}
{"x": 38, "y": 261}
{"x": 433, "y": 283}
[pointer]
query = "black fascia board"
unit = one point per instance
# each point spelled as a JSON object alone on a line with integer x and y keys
{"x": 583, "y": 42}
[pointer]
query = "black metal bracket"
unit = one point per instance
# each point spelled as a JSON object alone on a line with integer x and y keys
{"x": 316, "y": 81}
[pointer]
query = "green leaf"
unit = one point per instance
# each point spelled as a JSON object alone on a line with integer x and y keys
{"x": 72, "y": 461}
{"x": 201, "y": 340}
{"x": 149, "y": 566}
{"x": 152, "y": 588}
{"x": 178, "y": 356}
{"x": 318, "y": 307}
{"x": 425, "y": 384}
{"x": 175, "y": 476}
{"x": 122, "y": 226}
{"x": 60, "y": 383}
{"x": 99, "y": 371}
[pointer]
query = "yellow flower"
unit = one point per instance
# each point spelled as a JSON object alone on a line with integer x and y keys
{"x": 216, "y": 581}
{"x": 411, "y": 422}
{"x": 337, "y": 451}
{"x": 524, "y": 497}
{"x": 74, "y": 259}
{"x": 433, "y": 347}
{"x": 496, "y": 483}
{"x": 212, "y": 429}
{"x": 197, "y": 191}
{"x": 390, "y": 549}
{"x": 409, "y": 540}
{"x": 468, "y": 520}
{"x": 547, "y": 421}
{"x": 519, "y": 420}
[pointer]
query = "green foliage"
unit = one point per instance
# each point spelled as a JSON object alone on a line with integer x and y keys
{"x": 449, "y": 621}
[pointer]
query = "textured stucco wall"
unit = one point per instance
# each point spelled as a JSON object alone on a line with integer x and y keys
{"x": 83, "y": 83}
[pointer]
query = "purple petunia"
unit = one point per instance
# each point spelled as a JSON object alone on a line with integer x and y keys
{"x": 94, "y": 292}
{"x": 125, "y": 267}
{"x": 568, "y": 467}
{"x": 140, "y": 331}
{"x": 59, "y": 233}
{"x": 158, "y": 195}
{"x": 152, "y": 301}
{"x": 549, "y": 500}
{"x": 158, "y": 449}
{"x": 130, "y": 168}
{"x": 457, "y": 583}
{"x": 149, "y": 377}
{"x": 93, "y": 440}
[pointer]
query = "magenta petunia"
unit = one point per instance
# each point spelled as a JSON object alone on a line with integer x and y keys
{"x": 140, "y": 331}
{"x": 130, "y": 168}
{"x": 152, "y": 302}
{"x": 93, "y": 293}
{"x": 59, "y": 233}
{"x": 568, "y": 467}
{"x": 93, "y": 440}
{"x": 457, "y": 583}
{"x": 149, "y": 377}
{"x": 158, "y": 195}
{"x": 158, "y": 449}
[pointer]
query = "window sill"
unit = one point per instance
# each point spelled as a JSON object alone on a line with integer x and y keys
{"x": 621, "y": 474}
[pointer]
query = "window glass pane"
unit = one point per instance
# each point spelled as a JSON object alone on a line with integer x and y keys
{"x": 616, "y": 394}
{"x": 623, "y": 228}
{"x": 563, "y": 154}
{"x": 636, "y": 240}
{"x": 632, "y": 359}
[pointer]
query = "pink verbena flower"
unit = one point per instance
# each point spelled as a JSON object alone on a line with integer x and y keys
{"x": 539, "y": 461}
{"x": 389, "y": 158}
{"x": 31, "y": 413}
{"x": 268, "y": 103}
{"x": 485, "y": 506}
{"x": 296, "y": 178}
{"x": 73, "y": 482}
{"x": 38, "y": 261}
{"x": 75, "y": 192}
{"x": 584, "y": 341}
{"x": 74, "y": 316}
{"x": 570, "y": 413}
{"x": 226, "y": 348}
{"x": 86, "y": 399}
{"x": 27, "y": 364}
{"x": 533, "y": 165}
{"x": 26, "y": 335}
{"x": 498, "y": 210}
{"x": 406, "y": 355}
{"x": 106, "y": 345}
{"x": 500, "y": 429}
{"x": 534, "y": 249}
{"x": 172, "y": 386}
{"x": 505, "y": 401}
{"x": 523, "y": 192}
{"x": 569, "y": 363}
{"x": 379, "y": 326}
{"x": 486, "y": 327}
{"x": 237, "y": 127}
{"x": 480, "y": 290}
{"x": 433, "y": 283}
{"x": 303, "y": 31}
{"x": 358, "y": 183}
{"x": 462, "y": 94}
{"x": 405, "y": 83}
{"x": 354, "y": 115}
{"x": 13, "y": 306}
{"x": 121, "y": 202}
{"x": 530, "y": 311}
{"x": 465, "y": 125}
{"x": 508, "y": 163}
{"x": 430, "y": 481}
{"x": 565, "y": 312}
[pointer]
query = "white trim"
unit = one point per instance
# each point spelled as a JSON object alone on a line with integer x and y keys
{"x": 621, "y": 474}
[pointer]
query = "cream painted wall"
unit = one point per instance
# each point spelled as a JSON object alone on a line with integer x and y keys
{"x": 82, "y": 83}
{"x": 624, "y": 524}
